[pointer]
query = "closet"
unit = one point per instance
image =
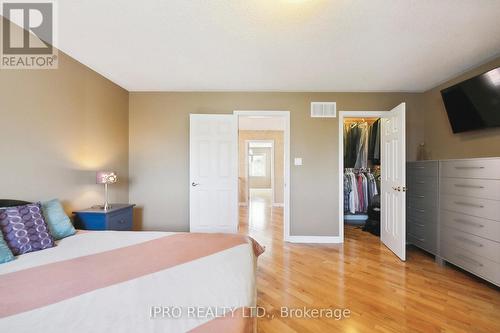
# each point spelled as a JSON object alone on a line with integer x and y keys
{"x": 362, "y": 173}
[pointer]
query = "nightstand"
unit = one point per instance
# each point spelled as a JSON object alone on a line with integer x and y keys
{"x": 118, "y": 217}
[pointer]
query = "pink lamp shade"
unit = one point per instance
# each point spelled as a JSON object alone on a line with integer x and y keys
{"x": 106, "y": 177}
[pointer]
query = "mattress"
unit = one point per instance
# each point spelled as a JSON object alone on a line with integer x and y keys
{"x": 110, "y": 281}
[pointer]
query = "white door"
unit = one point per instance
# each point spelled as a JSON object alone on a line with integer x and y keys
{"x": 393, "y": 183}
{"x": 213, "y": 165}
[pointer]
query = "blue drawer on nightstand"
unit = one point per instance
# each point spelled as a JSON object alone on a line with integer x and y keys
{"x": 121, "y": 220}
{"x": 118, "y": 217}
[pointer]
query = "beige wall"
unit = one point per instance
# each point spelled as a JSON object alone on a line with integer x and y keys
{"x": 440, "y": 141}
{"x": 159, "y": 150}
{"x": 57, "y": 128}
{"x": 278, "y": 138}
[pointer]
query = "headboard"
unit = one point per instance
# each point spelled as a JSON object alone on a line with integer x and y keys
{"x": 12, "y": 203}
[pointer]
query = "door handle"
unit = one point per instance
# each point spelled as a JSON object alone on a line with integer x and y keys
{"x": 469, "y": 186}
{"x": 468, "y": 167}
{"x": 469, "y": 223}
{"x": 417, "y": 238}
{"x": 465, "y": 240}
{"x": 469, "y": 260}
{"x": 193, "y": 184}
{"x": 468, "y": 204}
{"x": 397, "y": 188}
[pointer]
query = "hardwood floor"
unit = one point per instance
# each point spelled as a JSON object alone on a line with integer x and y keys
{"x": 382, "y": 293}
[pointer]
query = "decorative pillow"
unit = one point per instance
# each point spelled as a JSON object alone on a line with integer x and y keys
{"x": 59, "y": 223}
{"x": 24, "y": 229}
{"x": 5, "y": 253}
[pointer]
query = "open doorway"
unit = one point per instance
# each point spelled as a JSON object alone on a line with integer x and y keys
{"x": 372, "y": 165}
{"x": 260, "y": 182}
{"x": 263, "y": 173}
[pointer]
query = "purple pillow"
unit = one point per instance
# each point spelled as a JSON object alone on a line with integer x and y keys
{"x": 24, "y": 229}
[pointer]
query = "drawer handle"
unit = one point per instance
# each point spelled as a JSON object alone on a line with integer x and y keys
{"x": 420, "y": 196}
{"x": 468, "y": 167}
{"x": 417, "y": 238}
{"x": 420, "y": 210}
{"x": 419, "y": 224}
{"x": 421, "y": 182}
{"x": 468, "y": 204}
{"x": 468, "y": 186}
{"x": 469, "y": 260}
{"x": 469, "y": 223}
{"x": 121, "y": 221}
{"x": 465, "y": 240}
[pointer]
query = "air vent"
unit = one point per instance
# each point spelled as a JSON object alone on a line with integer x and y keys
{"x": 323, "y": 109}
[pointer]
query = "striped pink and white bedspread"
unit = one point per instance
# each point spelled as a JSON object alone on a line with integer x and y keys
{"x": 109, "y": 281}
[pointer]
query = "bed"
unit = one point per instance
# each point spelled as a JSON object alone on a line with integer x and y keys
{"x": 120, "y": 281}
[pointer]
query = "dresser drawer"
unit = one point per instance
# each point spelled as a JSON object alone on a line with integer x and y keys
{"x": 121, "y": 220}
{"x": 422, "y": 238}
{"x": 421, "y": 185}
{"x": 422, "y": 200}
{"x": 471, "y": 262}
{"x": 422, "y": 168}
{"x": 474, "y": 168}
{"x": 422, "y": 229}
{"x": 473, "y": 225}
{"x": 425, "y": 215}
{"x": 489, "y": 209}
{"x": 474, "y": 244}
{"x": 416, "y": 228}
{"x": 478, "y": 188}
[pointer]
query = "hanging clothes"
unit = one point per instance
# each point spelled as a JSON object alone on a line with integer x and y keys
{"x": 359, "y": 191}
{"x": 372, "y": 142}
{"x": 365, "y": 193}
{"x": 362, "y": 147}
{"x": 376, "y": 149}
{"x": 351, "y": 138}
{"x": 372, "y": 186}
{"x": 356, "y": 145}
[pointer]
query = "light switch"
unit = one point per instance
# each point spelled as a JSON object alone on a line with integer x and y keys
{"x": 297, "y": 161}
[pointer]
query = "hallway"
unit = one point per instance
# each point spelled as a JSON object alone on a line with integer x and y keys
{"x": 382, "y": 293}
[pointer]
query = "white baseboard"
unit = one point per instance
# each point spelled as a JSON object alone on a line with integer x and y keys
{"x": 243, "y": 204}
{"x": 277, "y": 204}
{"x": 314, "y": 239}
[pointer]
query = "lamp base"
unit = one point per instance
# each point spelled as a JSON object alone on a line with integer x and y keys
{"x": 105, "y": 207}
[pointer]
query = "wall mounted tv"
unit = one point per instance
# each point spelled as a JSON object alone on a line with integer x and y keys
{"x": 475, "y": 103}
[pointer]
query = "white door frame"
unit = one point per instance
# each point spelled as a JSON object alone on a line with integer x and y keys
{"x": 247, "y": 169}
{"x": 286, "y": 148}
{"x": 342, "y": 116}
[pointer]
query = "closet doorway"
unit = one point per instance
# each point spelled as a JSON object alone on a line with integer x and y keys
{"x": 372, "y": 166}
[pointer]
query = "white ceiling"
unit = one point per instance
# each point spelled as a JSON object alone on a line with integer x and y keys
{"x": 279, "y": 45}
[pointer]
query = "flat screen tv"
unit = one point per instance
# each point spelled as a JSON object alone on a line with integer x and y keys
{"x": 475, "y": 103}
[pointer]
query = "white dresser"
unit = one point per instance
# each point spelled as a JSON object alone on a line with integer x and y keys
{"x": 454, "y": 212}
{"x": 469, "y": 216}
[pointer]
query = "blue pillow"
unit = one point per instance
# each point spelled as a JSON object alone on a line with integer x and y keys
{"x": 59, "y": 223}
{"x": 5, "y": 253}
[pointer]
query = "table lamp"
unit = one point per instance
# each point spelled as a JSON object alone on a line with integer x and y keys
{"x": 106, "y": 178}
